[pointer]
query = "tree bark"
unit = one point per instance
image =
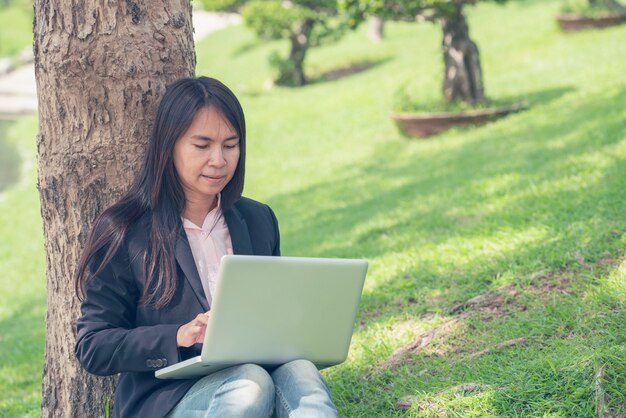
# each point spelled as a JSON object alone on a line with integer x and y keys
{"x": 462, "y": 75}
{"x": 101, "y": 67}
{"x": 376, "y": 28}
{"x": 292, "y": 72}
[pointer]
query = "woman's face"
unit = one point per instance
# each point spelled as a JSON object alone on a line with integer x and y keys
{"x": 206, "y": 155}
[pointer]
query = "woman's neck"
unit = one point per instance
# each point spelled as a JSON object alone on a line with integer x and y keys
{"x": 197, "y": 210}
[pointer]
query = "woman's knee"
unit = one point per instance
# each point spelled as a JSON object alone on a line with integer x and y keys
{"x": 251, "y": 390}
{"x": 252, "y": 372}
{"x": 300, "y": 376}
{"x": 302, "y": 369}
{"x": 302, "y": 391}
{"x": 256, "y": 380}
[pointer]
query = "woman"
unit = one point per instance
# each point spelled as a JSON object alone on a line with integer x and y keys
{"x": 148, "y": 270}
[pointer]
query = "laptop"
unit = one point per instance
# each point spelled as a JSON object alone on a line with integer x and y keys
{"x": 272, "y": 310}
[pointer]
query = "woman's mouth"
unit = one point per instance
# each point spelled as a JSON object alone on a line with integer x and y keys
{"x": 213, "y": 179}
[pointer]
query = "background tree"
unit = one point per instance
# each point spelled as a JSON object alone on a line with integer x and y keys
{"x": 462, "y": 78}
{"x": 100, "y": 68}
{"x": 375, "y": 28}
{"x": 304, "y": 23}
{"x": 20, "y": 3}
{"x": 611, "y": 5}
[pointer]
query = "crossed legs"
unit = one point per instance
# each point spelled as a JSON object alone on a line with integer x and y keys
{"x": 293, "y": 390}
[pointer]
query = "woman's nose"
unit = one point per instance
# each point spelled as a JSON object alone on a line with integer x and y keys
{"x": 217, "y": 159}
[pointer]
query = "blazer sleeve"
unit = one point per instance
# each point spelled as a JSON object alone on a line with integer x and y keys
{"x": 108, "y": 340}
{"x": 276, "y": 249}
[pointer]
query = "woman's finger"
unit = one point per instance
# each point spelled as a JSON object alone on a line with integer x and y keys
{"x": 203, "y": 318}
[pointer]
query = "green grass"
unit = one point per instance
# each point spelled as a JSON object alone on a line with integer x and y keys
{"x": 530, "y": 208}
{"x": 16, "y": 24}
{"x": 9, "y": 159}
{"x": 22, "y": 263}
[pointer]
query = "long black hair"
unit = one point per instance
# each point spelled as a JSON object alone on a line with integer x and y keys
{"x": 158, "y": 193}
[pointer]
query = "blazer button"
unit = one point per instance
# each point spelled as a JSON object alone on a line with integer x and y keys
{"x": 149, "y": 363}
{"x": 158, "y": 363}
{"x": 164, "y": 362}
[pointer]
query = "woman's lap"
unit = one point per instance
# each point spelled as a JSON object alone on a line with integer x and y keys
{"x": 301, "y": 391}
{"x": 294, "y": 390}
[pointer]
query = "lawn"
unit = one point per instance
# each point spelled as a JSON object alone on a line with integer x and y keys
{"x": 16, "y": 22}
{"x": 497, "y": 280}
{"x": 22, "y": 263}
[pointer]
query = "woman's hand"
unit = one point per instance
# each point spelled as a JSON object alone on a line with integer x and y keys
{"x": 193, "y": 331}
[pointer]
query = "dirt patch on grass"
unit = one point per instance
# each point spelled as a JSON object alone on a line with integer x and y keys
{"x": 551, "y": 282}
{"x": 490, "y": 302}
{"x": 486, "y": 306}
{"x": 420, "y": 342}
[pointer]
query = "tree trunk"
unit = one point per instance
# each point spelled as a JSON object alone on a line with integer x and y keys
{"x": 100, "y": 68}
{"x": 462, "y": 76}
{"x": 376, "y": 28}
{"x": 292, "y": 71}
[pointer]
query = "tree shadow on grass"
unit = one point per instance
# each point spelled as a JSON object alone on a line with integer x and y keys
{"x": 566, "y": 342}
{"x": 9, "y": 159}
{"x": 345, "y": 71}
{"x": 541, "y": 97}
{"x": 519, "y": 196}
{"x": 248, "y": 46}
{"x": 522, "y": 381}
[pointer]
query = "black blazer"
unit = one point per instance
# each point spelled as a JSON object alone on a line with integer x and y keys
{"x": 115, "y": 334}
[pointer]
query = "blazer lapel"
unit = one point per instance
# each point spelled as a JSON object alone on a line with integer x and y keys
{"x": 185, "y": 260}
{"x": 240, "y": 238}
{"x": 239, "y": 234}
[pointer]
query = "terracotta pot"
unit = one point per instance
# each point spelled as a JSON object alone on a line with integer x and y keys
{"x": 571, "y": 22}
{"x": 426, "y": 124}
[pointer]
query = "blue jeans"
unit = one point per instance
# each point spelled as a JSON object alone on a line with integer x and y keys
{"x": 295, "y": 390}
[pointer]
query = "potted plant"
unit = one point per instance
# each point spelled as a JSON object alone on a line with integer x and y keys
{"x": 417, "y": 118}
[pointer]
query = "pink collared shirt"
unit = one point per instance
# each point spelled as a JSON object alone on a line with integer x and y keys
{"x": 209, "y": 244}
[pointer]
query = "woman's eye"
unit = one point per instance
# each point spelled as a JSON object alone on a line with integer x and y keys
{"x": 231, "y": 146}
{"x": 201, "y": 146}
